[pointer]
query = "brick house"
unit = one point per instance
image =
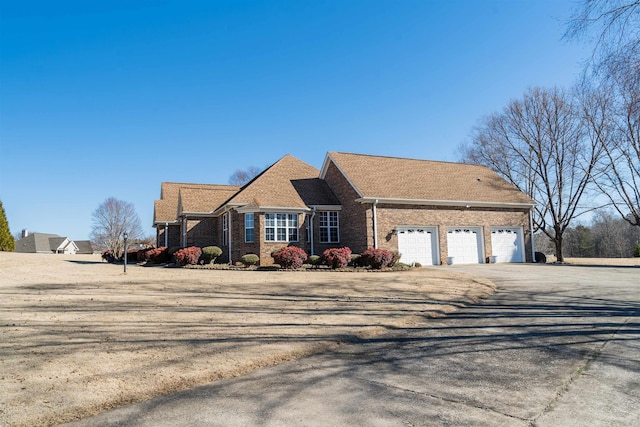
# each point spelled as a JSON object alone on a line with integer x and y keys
{"x": 432, "y": 212}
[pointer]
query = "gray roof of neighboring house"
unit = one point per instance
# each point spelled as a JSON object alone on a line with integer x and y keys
{"x": 37, "y": 242}
{"x": 84, "y": 246}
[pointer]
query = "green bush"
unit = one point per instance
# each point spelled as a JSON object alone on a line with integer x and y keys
{"x": 210, "y": 253}
{"x": 250, "y": 259}
{"x": 636, "y": 250}
{"x": 356, "y": 260}
{"x": 314, "y": 260}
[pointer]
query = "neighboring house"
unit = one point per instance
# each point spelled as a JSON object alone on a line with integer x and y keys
{"x": 85, "y": 247}
{"x": 45, "y": 244}
{"x": 426, "y": 210}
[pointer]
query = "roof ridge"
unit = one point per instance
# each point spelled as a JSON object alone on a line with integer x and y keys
{"x": 405, "y": 158}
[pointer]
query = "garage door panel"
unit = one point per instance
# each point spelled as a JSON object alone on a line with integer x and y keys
{"x": 416, "y": 244}
{"x": 463, "y": 244}
{"x": 507, "y": 244}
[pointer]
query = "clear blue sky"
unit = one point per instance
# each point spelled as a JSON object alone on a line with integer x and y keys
{"x": 109, "y": 98}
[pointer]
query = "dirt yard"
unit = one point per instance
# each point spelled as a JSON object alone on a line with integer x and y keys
{"x": 77, "y": 336}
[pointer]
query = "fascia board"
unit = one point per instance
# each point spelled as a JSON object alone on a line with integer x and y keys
{"x": 271, "y": 209}
{"x": 226, "y": 208}
{"x": 456, "y": 203}
{"x": 326, "y": 207}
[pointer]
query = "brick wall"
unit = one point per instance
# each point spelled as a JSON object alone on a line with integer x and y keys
{"x": 174, "y": 235}
{"x": 201, "y": 232}
{"x": 355, "y": 223}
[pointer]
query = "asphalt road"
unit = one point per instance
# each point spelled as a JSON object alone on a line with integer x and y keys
{"x": 555, "y": 346}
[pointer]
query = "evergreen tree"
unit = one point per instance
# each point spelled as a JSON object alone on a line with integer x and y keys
{"x": 7, "y": 243}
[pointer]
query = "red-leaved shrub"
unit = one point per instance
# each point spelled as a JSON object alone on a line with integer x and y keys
{"x": 189, "y": 255}
{"x": 157, "y": 256}
{"x": 337, "y": 257}
{"x": 108, "y": 256}
{"x": 376, "y": 258}
{"x": 289, "y": 257}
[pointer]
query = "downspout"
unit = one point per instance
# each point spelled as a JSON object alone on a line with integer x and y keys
{"x": 166, "y": 234}
{"x": 313, "y": 214}
{"x": 229, "y": 235}
{"x": 533, "y": 247}
{"x": 184, "y": 232}
{"x": 375, "y": 225}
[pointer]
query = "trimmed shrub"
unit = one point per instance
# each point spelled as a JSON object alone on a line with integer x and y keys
{"x": 314, "y": 260}
{"x": 377, "y": 258}
{"x": 108, "y": 256}
{"x": 417, "y": 264}
{"x": 356, "y": 260}
{"x": 210, "y": 253}
{"x": 290, "y": 257}
{"x": 189, "y": 255}
{"x": 337, "y": 257}
{"x": 636, "y": 250}
{"x": 250, "y": 259}
{"x": 158, "y": 255}
{"x": 141, "y": 255}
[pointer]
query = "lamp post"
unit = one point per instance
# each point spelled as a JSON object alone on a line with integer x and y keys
{"x": 125, "y": 235}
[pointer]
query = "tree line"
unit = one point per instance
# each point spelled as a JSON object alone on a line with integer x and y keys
{"x": 606, "y": 236}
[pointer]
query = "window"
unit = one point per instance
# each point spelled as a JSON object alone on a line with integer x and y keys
{"x": 280, "y": 227}
{"x": 225, "y": 229}
{"x": 248, "y": 228}
{"x": 329, "y": 230}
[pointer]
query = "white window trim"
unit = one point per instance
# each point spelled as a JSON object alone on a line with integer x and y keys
{"x": 252, "y": 227}
{"x": 225, "y": 229}
{"x": 287, "y": 226}
{"x": 329, "y": 227}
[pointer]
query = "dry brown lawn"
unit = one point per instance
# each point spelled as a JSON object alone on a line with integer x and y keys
{"x": 77, "y": 336}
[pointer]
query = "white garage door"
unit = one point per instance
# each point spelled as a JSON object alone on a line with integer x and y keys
{"x": 463, "y": 244}
{"x": 507, "y": 244}
{"x": 418, "y": 244}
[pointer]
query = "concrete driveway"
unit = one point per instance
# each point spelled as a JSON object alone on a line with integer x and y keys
{"x": 555, "y": 346}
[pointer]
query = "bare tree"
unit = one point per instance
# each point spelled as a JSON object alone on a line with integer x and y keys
{"x": 241, "y": 177}
{"x": 613, "y": 26}
{"x": 612, "y": 113}
{"x": 537, "y": 143}
{"x": 111, "y": 220}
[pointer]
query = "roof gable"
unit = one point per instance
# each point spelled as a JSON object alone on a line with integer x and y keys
{"x": 204, "y": 200}
{"x": 288, "y": 183}
{"x": 165, "y": 210}
{"x": 402, "y": 179}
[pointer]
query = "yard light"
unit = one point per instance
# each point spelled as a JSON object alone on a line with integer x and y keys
{"x": 125, "y": 235}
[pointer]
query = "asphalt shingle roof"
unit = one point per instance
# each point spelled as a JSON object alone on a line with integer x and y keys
{"x": 288, "y": 183}
{"x": 413, "y": 179}
{"x": 204, "y": 200}
{"x": 166, "y": 209}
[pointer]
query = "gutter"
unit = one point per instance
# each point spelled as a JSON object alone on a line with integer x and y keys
{"x": 458, "y": 203}
{"x": 533, "y": 246}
